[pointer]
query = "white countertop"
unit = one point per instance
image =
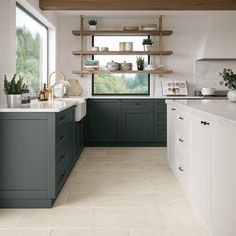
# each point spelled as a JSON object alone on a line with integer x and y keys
{"x": 56, "y": 105}
{"x": 146, "y": 97}
{"x": 222, "y": 111}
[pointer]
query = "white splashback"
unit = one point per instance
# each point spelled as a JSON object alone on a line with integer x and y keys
{"x": 207, "y": 73}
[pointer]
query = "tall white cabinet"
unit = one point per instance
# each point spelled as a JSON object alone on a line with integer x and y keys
{"x": 209, "y": 163}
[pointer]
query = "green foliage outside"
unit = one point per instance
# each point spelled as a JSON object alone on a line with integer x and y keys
{"x": 113, "y": 84}
{"x": 28, "y": 59}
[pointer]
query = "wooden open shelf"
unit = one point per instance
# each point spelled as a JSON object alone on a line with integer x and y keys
{"x": 157, "y": 72}
{"x": 122, "y": 32}
{"x": 122, "y": 52}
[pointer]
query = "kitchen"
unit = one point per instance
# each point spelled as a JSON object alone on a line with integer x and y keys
{"x": 124, "y": 163}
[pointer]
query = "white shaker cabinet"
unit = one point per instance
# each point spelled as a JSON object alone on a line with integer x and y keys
{"x": 200, "y": 165}
{"x": 171, "y": 136}
{"x": 223, "y": 202}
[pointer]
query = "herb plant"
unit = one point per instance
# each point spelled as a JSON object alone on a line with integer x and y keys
{"x": 14, "y": 86}
{"x": 229, "y": 78}
{"x": 92, "y": 22}
{"x": 140, "y": 60}
{"x": 147, "y": 41}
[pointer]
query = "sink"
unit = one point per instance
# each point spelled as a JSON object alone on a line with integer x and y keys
{"x": 80, "y": 107}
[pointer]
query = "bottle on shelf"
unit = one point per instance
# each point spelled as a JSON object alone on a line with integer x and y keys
{"x": 44, "y": 94}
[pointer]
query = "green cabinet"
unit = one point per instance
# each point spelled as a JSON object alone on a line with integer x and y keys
{"x": 124, "y": 122}
{"x": 79, "y": 139}
{"x": 137, "y": 121}
{"x": 104, "y": 121}
{"x": 36, "y": 156}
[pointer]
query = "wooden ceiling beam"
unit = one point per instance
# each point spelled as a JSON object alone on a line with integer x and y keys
{"x": 137, "y": 4}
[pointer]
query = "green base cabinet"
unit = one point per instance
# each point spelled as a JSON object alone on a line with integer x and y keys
{"x": 126, "y": 122}
{"x": 79, "y": 139}
{"x": 104, "y": 120}
{"x": 36, "y": 157}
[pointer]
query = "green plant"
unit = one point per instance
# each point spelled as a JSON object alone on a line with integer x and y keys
{"x": 140, "y": 60}
{"x": 14, "y": 86}
{"x": 92, "y": 22}
{"x": 229, "y": 78}
{"x": 147, "y": 41}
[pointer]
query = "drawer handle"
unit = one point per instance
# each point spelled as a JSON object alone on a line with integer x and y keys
{"x": 181, "y": 169}
{"x": 61, "y": 138}
{"x": 62, "y": 118}
{"x": 181, "y": 118}
{"x": 61, "y": 176}
{"x": 181, "y": 140}
{"x": 62, "y": 156}
{"x": 173, "y": 109}
{"x": 205, "y": 123}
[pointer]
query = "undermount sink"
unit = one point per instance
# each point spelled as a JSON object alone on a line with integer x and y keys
{"x": 80, "y": 107}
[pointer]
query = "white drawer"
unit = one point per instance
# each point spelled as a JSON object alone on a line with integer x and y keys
{"x": 182, "y": 170}
{"x": 182, "y": 139}
{"x": 182, "y": 119}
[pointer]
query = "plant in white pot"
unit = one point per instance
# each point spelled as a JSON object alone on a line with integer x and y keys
{"x": 147, "y": 44}
{"x": 92, "y": 24}
{"x": 229, "y": 81}
{"x": 13, "y": 90}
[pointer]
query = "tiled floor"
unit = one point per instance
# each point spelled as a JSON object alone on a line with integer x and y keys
{"x": 112, "y": 192}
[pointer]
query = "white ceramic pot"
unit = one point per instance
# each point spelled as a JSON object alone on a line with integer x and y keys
{"x": 147, "y": 47}
{"x": 129, "y": 46}
{"x": 207, "y": 91}
{"x": 13, "y": 100}
{"x": 232, "y": 95}
{"x": 92, "y": 27}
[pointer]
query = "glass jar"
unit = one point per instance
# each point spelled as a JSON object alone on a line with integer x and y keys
{"x": 25, "y": 97}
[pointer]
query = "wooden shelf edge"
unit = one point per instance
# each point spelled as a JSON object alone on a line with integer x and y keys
{"x": 122, "y": 52}
{"x": 165, "y": 72}
{"x": 122, "y": 32}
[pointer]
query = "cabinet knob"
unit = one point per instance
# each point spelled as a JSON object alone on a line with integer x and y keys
{"x": 173, "y": 109}
{"x": 181, "y": 118}
{"x": 181, "y": 169}
{"x": 181, "y": 140}
{"x": 205, "y": 123}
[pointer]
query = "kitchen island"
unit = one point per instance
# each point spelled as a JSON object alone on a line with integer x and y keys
{"x": 201, "y": 154}
{"x": 39, "y": 146}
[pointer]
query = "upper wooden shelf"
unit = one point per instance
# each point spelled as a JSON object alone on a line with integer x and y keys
{"x": 157, "y": 72}
{"x": 122, "y": 52}
{"x": 122, "y": 32}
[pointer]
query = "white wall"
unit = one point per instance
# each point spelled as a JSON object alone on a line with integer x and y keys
{"x": 191, "y": 31}
{"x": 8, "y": 36}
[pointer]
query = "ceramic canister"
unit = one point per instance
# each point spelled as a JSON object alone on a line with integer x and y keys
{"x": 129, "y": 46}
{"x": 122, "y": 46}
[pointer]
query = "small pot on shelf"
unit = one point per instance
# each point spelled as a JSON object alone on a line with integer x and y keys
{"x": 140, "y": 66}
{"x": 147, "y": 47}
{"x": 92, "y": 27}
{"x": 232, "y": 95}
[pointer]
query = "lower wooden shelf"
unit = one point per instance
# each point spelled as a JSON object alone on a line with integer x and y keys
{"x": 157, "y": 72}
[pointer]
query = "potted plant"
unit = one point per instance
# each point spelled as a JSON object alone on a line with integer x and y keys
{"x": 147, "y": 44}
{"x": 92, "y": 24}
{"x": 13, "y": 90}
{"x": 229, "y": 81}
{"x": 140, "y": 62}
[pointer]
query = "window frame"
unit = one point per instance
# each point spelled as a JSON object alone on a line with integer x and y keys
{"x": 45, "y": 26}
{"x": 120, "y": 94}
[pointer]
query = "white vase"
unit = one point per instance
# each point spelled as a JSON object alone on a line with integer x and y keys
{"x": 147, "y": 47}
{"x": 92, "y": 27}
{"x": 232, "y": 95}
{"x": 13, "y": 100}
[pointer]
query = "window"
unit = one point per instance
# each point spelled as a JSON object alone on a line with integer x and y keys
{"x": 119, "y": 84}
{"x": 32, "y": 50}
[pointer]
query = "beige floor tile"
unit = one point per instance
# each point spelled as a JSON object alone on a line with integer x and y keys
{"x": 181, "y": 218}
{"x": 76, "y": 217}
{"x": 25, "y": 232}
{"x": 147, "y": 232}
{"x": 10, "y": 218}
{"x": 109, "y": 232}
{"x": 127, "y": 218}
{"x": 41, "y": 219}
{"x": 71, "y": 232}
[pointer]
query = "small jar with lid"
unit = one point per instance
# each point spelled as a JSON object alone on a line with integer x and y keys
{"x": 25, "y": 97}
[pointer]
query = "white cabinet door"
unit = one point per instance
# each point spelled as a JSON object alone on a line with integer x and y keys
{"x": 223, "y": 181}
{"x": 200, "y": 147}
{"x": 171, "y": 136}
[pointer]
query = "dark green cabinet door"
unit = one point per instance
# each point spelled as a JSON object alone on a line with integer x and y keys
{"x": 138, "y": 126}
{"x": 104, "y": 120}
{"x": 78, "y": 138}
